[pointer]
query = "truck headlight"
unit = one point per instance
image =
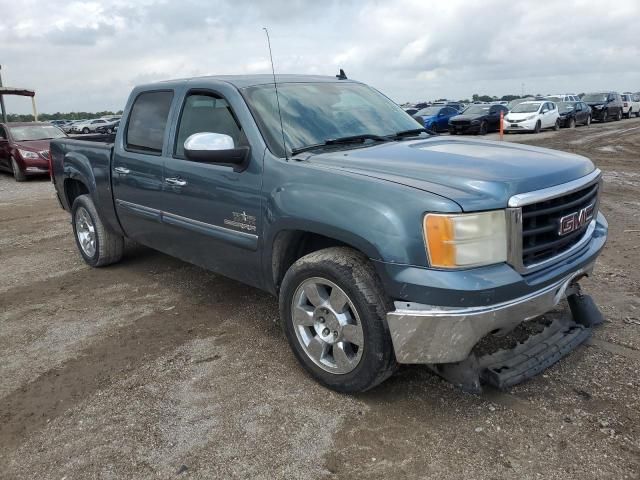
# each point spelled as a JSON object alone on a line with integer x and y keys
{"x": 26, "y": 154}
{"x": 466, "y": 240}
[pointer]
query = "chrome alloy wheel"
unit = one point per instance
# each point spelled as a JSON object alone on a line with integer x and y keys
{"x": 327, "y": 325}
{"x": 86, "y": 232}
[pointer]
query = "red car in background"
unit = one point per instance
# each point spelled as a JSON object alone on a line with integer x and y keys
{"x": 24, "y": 148}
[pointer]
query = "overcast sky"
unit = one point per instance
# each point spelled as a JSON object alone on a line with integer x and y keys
{"x": 85, "y": 55}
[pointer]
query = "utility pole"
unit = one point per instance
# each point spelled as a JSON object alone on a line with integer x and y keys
{"x": 2, "y": 107}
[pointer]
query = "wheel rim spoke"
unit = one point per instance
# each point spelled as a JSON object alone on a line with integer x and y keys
{"x": 317, "y": 348}
{"x": 315, "y": 297}
{"x": 353, "y": 334}
{"x": 338, "y": 300}
{"x": 302, "y": 316}
{"x": 340, "y": 356}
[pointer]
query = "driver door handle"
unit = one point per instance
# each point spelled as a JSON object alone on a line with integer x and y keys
{"x": 175, "y": 181}
{"x": 122, "y": 170}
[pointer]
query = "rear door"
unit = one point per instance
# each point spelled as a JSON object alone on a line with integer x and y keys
{"x": 213, "y": 210}
{"x": 137, "y": 169}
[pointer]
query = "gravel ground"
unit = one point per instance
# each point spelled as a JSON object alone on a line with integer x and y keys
{"x": 154, "y": 368}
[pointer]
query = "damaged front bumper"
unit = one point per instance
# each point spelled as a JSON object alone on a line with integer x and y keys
{"x": 428, "y": 334}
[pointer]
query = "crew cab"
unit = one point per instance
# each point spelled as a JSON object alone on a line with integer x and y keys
{"x": 384, "y": 244}
{"x": 24, "y": 148}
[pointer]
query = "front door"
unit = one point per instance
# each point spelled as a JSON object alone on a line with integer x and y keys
{"x": 137, "y": 168}
{"x": 212, "y": 211}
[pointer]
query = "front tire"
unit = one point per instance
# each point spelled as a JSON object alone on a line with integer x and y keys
{"x": 97, "y": 245}
{"x": 85, "y": 130}
{"x": 333, "y": 312}
{"x": 619, "y": 115}
{"x": 556, "y": 125}
{"x": 18, "y": 174}
{"x": 588, "y": 124}
{"x": 484, "y": 128}
{"x": 572, "y": 123}
{"x": 537, "y": 127}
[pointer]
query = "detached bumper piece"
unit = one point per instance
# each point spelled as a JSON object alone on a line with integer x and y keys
{"x": 506, "y": 368}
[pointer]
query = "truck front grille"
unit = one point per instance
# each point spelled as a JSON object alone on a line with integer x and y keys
{"x": 541, "y": 224}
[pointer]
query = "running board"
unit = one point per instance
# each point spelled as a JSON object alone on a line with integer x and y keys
{"x": 506, "y": 368}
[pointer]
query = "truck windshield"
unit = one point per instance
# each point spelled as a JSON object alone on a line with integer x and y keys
{"x": 25, "y": 133}
{"x": 313, "y": 113}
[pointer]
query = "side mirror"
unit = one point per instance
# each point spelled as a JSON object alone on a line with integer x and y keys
{"x": 209, "y": 147}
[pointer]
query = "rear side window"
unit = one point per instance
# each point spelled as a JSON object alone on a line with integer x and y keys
{"x": 148, "y": 121}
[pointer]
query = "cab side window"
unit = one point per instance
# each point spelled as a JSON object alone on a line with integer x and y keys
{"x": 148, "y": 122}
{"x": 3, "y": 134}
{"x": 207, "y": 113}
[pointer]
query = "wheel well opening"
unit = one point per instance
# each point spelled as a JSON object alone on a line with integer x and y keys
{"x": 73, "y": 189}
{"x": 291, "y": 245}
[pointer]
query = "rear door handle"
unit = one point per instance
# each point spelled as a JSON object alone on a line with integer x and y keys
{"x": 175, "y": 181}
{"x": 122, "y": 170}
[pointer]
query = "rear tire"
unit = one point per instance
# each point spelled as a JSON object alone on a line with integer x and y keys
{"x": 629, "y": 113}
{"x": 619, "y": 115}
{"x": 320, "y": 294}
{"x": 97, "y": 245}
{"x": 18, "y": 174}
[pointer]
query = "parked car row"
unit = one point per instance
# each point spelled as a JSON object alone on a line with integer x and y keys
{"x": 96, "y": 125}
{"x": 531, "y": 114}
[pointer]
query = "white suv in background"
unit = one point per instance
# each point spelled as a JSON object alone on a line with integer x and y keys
{"x": 566, "y": 97}
{"x": 89, "y": 126}
{"x": 630, "y": 104}
{"x": 532, "y": 117}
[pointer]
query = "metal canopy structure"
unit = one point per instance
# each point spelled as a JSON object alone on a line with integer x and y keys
{"x": 21, "y": 92}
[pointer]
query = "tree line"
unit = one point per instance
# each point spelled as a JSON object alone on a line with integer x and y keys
{"x": 43, "y": 117}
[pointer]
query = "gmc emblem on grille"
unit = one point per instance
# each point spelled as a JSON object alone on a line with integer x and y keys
{"x": 576, "y": 220}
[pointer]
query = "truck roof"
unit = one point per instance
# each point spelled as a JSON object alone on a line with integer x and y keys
{"x": 243, "y": 81}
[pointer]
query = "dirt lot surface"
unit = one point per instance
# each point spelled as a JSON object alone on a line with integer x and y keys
{"x": 154, "y": 368}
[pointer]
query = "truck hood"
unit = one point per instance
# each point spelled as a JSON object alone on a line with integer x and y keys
{"x": 476, "y": 174}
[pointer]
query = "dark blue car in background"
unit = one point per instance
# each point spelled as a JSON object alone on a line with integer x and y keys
{"x": 436, "y": 118}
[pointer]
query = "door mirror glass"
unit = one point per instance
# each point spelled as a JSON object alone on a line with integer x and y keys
{"x": 207, "y": 147}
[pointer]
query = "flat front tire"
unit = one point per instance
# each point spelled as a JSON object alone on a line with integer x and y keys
{"x": 333, "y": 309}
{"x": 97, "y": 245}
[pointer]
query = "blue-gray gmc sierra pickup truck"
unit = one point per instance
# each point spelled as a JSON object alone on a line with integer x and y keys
{"x": 385, "y": 244}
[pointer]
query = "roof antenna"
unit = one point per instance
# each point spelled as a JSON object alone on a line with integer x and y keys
{"x": 341, "y": 75}
{"x": 275, "y": 85}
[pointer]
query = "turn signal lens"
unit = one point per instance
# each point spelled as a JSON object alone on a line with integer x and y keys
{"x": 466, "y": 240}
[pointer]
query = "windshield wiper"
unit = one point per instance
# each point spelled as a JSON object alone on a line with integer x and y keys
{"x": 411, "y": 133}
{"x": 342, "y": 140}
